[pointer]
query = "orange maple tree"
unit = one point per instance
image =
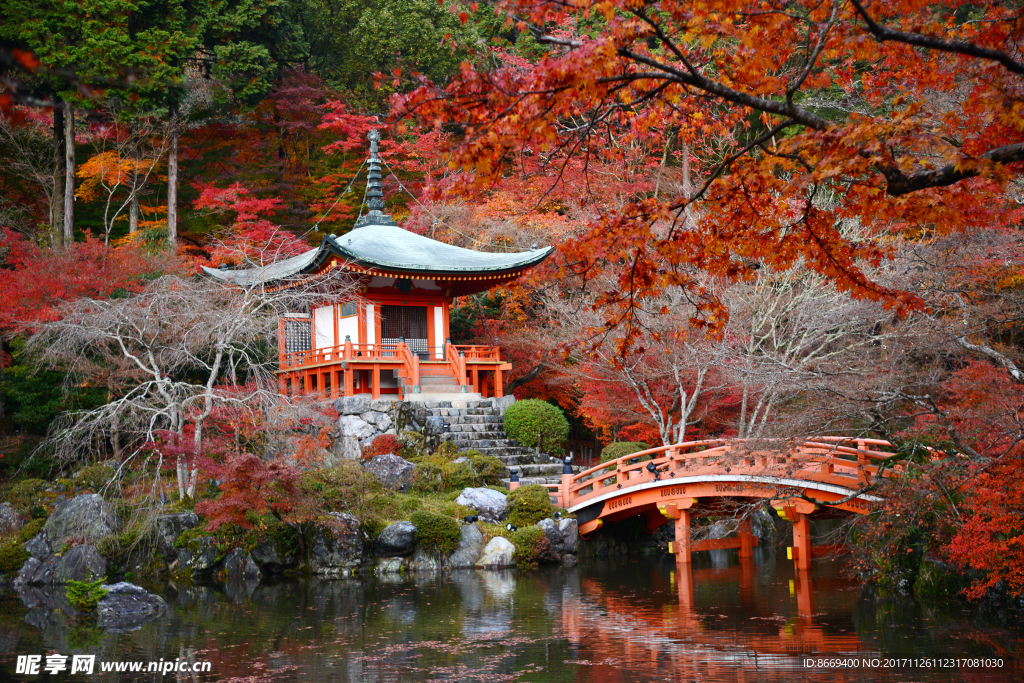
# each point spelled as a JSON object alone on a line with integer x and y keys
{"x": 801, "y": 116}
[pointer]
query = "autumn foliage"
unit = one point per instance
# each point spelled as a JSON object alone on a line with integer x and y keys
{"x": 249, "y": 487}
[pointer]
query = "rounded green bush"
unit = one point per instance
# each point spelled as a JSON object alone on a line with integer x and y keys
{"x": 621, "y": 448}
{"x": 526, "y": 421}
{"x": 528, "y": 504}
{"x": 435, "y": 533}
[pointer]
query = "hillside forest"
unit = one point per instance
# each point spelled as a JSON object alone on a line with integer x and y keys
{"x": 772, "y": 220}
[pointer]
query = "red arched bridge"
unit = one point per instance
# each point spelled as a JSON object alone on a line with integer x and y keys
{"x": 821, "y": 477}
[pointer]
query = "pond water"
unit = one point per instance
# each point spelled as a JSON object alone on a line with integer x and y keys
{"x": 623, "y": 620}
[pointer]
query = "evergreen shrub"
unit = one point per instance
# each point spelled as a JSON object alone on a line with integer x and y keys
{"x": 527, "y": 505}
{"x": 435, "y": 533}
{"x": 527, "y": 420}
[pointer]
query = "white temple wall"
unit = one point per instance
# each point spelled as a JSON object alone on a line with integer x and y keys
{"x": 349, "y": 326}
{"x": 323, "y": 327}
{"x": 439, "y": 332}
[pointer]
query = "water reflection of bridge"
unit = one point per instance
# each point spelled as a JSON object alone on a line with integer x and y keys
{"x": 688, "y": 642}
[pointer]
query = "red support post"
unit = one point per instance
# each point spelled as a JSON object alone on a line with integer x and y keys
{"x": 681, "y": 546}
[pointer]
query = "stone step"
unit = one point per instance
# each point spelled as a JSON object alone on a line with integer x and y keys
{"x": 540, "y": 471}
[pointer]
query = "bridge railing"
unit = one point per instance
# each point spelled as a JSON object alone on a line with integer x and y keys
{"x": 827, "y": 458}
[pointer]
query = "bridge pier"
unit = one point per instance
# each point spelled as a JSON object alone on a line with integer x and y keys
{"x": 682, "y": 542}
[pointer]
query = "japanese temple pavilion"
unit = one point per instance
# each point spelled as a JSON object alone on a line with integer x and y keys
{"x": 395, "y": 340}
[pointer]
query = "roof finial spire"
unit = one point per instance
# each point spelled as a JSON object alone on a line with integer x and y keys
{"x": 374, "y": 189}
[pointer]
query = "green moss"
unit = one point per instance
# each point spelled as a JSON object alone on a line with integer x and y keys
{"x": 622, "y": 448}
{"x": 438, "y": 474}
{"x": 532, "y": 546}
{"x": 94, "y": 477}
{"x": 187, "y": 536}
{"x": 12, "y": 557}
{"x": 534, "y": 422}
{"x": 435, "y": 533}
{"x": 345, "y": 488}
{"x": 372, "y": 526}
{"x": 31, "y": 529}
{"x": 528, "y": 504}
{"x": 490, "y": 469}
{"x": 26, "y": 495}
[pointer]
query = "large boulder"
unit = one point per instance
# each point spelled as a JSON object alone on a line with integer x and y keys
{"x": 337, "y": 546}
{"x": 352, "y": 434}
{"x": 38, "y": 547}
{"x": 503, "y": 403}
{"x": 550, "y": 529}
{"x": 271, "y": 558}
{"x": 127, "y": 607}
{"x": 352, "y": 405}
{"x": 36, "y": 571}
{"x": 10, "y": 520}
{"x": 168, "y": 527}
{"x": 499, "y": 553}
{"x": 471, "y": 545}
{"x": 382, "y": 421}
{"x": 239, "y": 566}
{"x": 88, "y": 518}
{"x": 396, "y": 540}
{"x": 394, "y": 472}
{"x": 198, "y": 557}
{"x": 488, "y": 503}
{"x": 81, "y": 563}
{"x": 570, "y": 531}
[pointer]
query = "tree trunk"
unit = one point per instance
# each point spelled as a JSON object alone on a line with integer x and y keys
{"x": 133, "y": 214}
{"x": 69, "y": 173}
{"x": 57, "y": 200}
{"x": 172, "y": 184}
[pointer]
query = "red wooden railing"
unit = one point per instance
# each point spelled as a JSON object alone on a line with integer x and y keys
{"x": 830, "y": 459}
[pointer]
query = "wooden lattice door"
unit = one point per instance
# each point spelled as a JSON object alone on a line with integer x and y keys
{"x": 408, "y": 322}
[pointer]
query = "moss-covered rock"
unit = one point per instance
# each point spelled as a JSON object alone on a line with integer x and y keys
{"x": 31, "y": 529}
{"x": 440, "y": 474}
{"x": 27, "y": 496}
{"x": 435, "y": 533}
{"x": 95, "y": 477}
{"x": 533, "y": 547}
{"x": 488, "y": 468}
{"x": 527, "y": 505}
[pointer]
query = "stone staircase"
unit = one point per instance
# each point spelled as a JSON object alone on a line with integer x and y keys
{"x": 479, "y": 424}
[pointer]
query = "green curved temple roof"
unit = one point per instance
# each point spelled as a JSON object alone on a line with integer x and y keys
{"x": 389, "y": 248}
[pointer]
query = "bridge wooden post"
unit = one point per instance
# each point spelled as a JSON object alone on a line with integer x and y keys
{"x": 682, "y": 542}
{"x": 746, "y": 539}
{"x": 801, "y": 540}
